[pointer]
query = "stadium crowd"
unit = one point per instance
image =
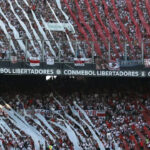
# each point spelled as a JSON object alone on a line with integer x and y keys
{"x": 122, "y": 123}
{"x": 115, "y": 22}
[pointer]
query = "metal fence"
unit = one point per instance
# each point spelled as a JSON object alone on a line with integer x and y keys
{"x": 63, "y": 50}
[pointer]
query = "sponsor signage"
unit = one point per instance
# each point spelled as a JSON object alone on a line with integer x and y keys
{"x": 74, "y": 72}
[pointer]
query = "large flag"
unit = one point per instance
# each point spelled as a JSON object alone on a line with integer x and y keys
{"x": 113, "y": 65}
{"x": 34, "y": 61}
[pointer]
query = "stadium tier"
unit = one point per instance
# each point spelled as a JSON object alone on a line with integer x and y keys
{"x": 112, "y": 30}
{"x": 65, "y": 114}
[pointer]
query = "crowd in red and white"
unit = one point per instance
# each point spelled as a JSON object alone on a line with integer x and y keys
{"x": 122, "y": 123}
{"x": 96, "y": 24}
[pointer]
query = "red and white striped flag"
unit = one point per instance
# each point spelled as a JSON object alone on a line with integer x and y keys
{"x": 81, "y": 61}
{"x": 34, "y": 61}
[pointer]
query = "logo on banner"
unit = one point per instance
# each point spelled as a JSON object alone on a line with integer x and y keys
{"x": 113, "y": 65}
{"x": 58, "y": 71}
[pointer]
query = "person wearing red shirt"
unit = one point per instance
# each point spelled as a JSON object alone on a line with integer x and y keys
{"x": 141, "y": 145}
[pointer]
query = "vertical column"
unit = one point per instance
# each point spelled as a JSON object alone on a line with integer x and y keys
{"x": 26, "y": 45}
{"x": 59, "y": 53}
{"x": 76, "y": 47}
{"x": 9, "y": 49}
{"x": 142, "y": 50}
{"x": 92, "y": 52}
{"x": 109, "y": 51}
{"x": 43, "y": 50}
{"x": 125, "y": 51}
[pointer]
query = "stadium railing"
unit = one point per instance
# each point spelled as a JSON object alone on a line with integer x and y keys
{"x": 11, "y": 48}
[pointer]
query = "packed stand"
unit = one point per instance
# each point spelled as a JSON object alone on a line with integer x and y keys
{"x": 117, "y": 116}
{"x": 111, "y": 22}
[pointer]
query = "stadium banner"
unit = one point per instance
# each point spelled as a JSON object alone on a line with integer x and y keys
{"x": 59, "y": 27}
{"x": 147, "y": 63}
{"x": 75, "y": 72}
{"x": 50, "y": 61}
{"x": 34, "y": 61}
{"x": 91, "y": 113}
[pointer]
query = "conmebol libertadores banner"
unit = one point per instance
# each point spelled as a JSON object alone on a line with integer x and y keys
{"x": 74, "y": 72}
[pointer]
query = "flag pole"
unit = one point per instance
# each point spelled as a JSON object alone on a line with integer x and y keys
{"x": 9, "y": 50}
{"x": 26, "y": 44}
{"x": 42, "y": 50}
{"x": 142, "y": 48}
{"x": 109, "y": 51}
